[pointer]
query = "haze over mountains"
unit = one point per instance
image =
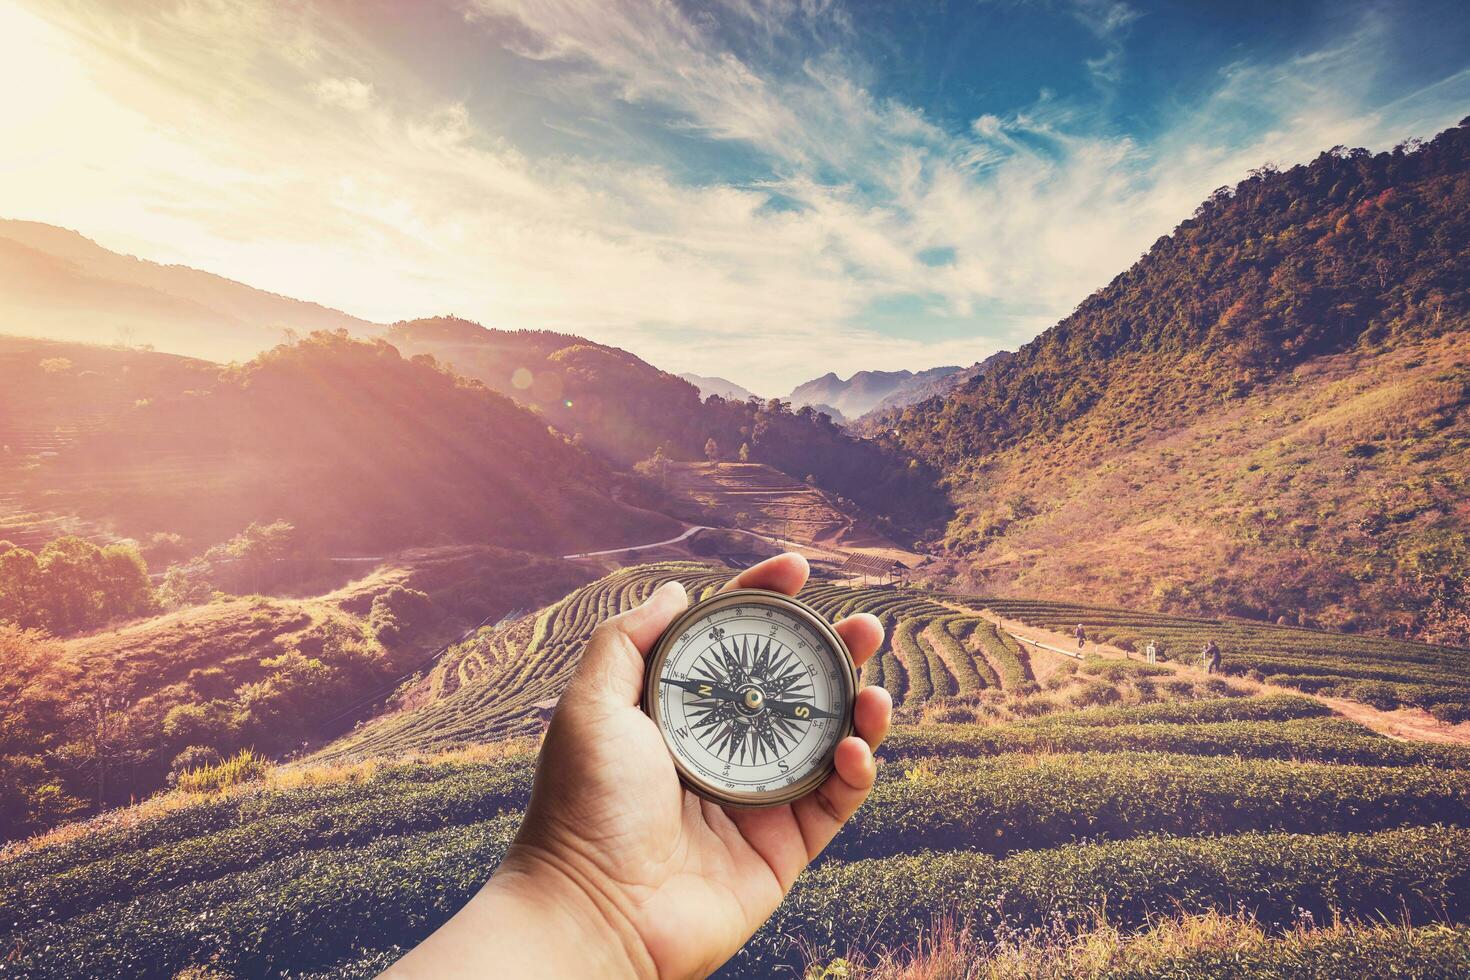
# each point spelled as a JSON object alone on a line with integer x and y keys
{"x": 56, "y": 283}
{"x": 728, "y": 390}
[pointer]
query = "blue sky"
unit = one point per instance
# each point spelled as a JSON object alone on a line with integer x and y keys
{"x": 760, "y": 189}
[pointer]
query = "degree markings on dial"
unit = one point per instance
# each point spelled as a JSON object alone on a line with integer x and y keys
{"x": 714, "y": 733}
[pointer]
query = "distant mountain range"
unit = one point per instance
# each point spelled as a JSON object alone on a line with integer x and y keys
{"x": 728, "y": 390}
{"x": 867, "y": 390}
{"x": 56, "y": 283}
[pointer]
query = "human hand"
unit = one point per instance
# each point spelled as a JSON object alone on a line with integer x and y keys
{"x": 619, "y": 870}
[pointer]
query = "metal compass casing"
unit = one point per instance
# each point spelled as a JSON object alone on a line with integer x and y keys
{"x": 751, "y": 690}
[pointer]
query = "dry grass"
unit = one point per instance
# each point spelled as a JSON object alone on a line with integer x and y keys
{"x": 950, "y": 952}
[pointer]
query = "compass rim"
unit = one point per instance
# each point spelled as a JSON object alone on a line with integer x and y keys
{"x": 658, "y": 655}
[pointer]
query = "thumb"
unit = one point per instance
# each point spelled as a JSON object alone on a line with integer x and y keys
{"x": 611, "y": 671}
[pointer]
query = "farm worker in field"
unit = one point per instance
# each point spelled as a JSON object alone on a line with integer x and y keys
{"x": 618, "y": 870}
{"x": 1151, "y": 652}
{"x": 1211, "y": 657}
{"x": 1081, "y": 635}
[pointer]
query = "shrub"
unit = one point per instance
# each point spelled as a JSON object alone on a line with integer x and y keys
{"x": 1377, "y": 694}
{"x": 1450, "y": 713}
{"x": 397, "y": 613}
{"x": 1033, "y": 707}
{"x": 1094, "y": 693}
{"x": 1179, "y": 688}
{"x": 239, "y": 768}
{"x": 948, "y": 714}
{"x": 1117, "y": 670}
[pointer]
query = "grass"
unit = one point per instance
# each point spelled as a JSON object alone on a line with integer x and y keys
{"x": 1207, "y": 944}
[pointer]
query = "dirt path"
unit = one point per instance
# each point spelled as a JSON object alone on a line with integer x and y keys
{"x": 1404, "y": 724}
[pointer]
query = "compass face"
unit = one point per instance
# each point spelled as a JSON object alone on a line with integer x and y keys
{"x": 752, "y": 691}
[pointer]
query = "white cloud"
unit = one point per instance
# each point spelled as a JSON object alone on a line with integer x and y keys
{"x": 286, "y": 153}
{"x": 345, "y": 93}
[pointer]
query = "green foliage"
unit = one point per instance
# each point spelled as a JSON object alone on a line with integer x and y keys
{"x": 1308, "y": 739}
{"x": 1017, "y": 802}
{"x": 398, "y": 613}
{"x": 73, "y": 585}
{"x": 1376, "y": 670}
{"x": 1418, "y": 873}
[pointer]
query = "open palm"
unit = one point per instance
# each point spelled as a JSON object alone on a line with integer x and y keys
{"x": 684, "y": 882}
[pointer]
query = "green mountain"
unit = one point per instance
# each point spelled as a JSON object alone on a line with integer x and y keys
{"x": 359, "y": 448}
{"x": 625, "y": 409}
{"x": 1264, "y": 416}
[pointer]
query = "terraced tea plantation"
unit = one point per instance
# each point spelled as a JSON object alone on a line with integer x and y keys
{"x": 1050, "y": 818}
{"x": 489, "y": 686}
{"x": 1381, "y": 672}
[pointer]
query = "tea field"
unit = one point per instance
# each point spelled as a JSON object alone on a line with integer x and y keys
{"x": 1015, "y": 799}
{"x": 1384, "y": 673}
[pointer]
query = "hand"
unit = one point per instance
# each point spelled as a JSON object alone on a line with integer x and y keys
{"x": 617, "y": 869}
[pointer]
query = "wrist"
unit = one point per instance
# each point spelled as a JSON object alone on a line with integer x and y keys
{"x": 535, "y": 919}
{"x": 580, "y": 926}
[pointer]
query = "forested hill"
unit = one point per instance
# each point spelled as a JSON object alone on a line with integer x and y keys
{"x": 359, "y": 448}
{"x": 628, "y": 411}
{"x": 1249, "y": 349}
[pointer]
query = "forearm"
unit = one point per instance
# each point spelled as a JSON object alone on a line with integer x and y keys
{"x": 530, "y": 920}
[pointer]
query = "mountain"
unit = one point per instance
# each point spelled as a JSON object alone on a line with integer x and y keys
{"x": 55, "y": 283}
{"x": 728, "y": 390}
{"x": 865, "y": 390}
{"x": 359, "y": 448}
{"x": 615, "y": 402}
{"x": 1265, "y": 416}
{"x": 920, "y": 388}
{"x": 626, "y": 410}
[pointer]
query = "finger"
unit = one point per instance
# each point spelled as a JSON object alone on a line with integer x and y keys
{"x": 611, "y": 670}
{"x": 786, "y": 573}
{"x": 872, "y": 714}
{"x": 821, "y": 814}
{"x": 863, "y": 634}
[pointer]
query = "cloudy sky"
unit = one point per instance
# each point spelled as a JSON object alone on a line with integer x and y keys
{"x": 760, "y": 189}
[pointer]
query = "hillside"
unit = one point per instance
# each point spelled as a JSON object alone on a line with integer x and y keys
{"x": 104, "y": 715}
{"x": 627, "y": 410}
{"x": 728, "y": 390}
{"x": 1264, "y": 416}
{"x": 55, "y": 283}
{"x": 358, "y": 448}
{"x": 1026, "y": 797}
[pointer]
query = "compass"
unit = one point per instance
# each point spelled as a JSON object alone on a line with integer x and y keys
{"x": 752, "y": 690}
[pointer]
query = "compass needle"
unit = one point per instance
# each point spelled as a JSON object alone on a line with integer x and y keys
{"x": 751, "y": 691}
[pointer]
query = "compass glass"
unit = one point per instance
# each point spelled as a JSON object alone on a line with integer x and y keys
{"x": 752, "y": 692}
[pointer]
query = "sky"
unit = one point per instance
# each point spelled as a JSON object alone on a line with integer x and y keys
{"x": 763, "y": 190}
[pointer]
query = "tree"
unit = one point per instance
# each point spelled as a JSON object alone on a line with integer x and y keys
{"x": 73, "y": 585}
{"x": 655, "y": 467}
{"x": 257, "y": 548}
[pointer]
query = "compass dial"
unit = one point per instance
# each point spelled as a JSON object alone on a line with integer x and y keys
{"x": 752, "y": 691}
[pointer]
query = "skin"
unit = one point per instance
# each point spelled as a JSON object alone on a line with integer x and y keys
{"x": 617, "y": 869}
